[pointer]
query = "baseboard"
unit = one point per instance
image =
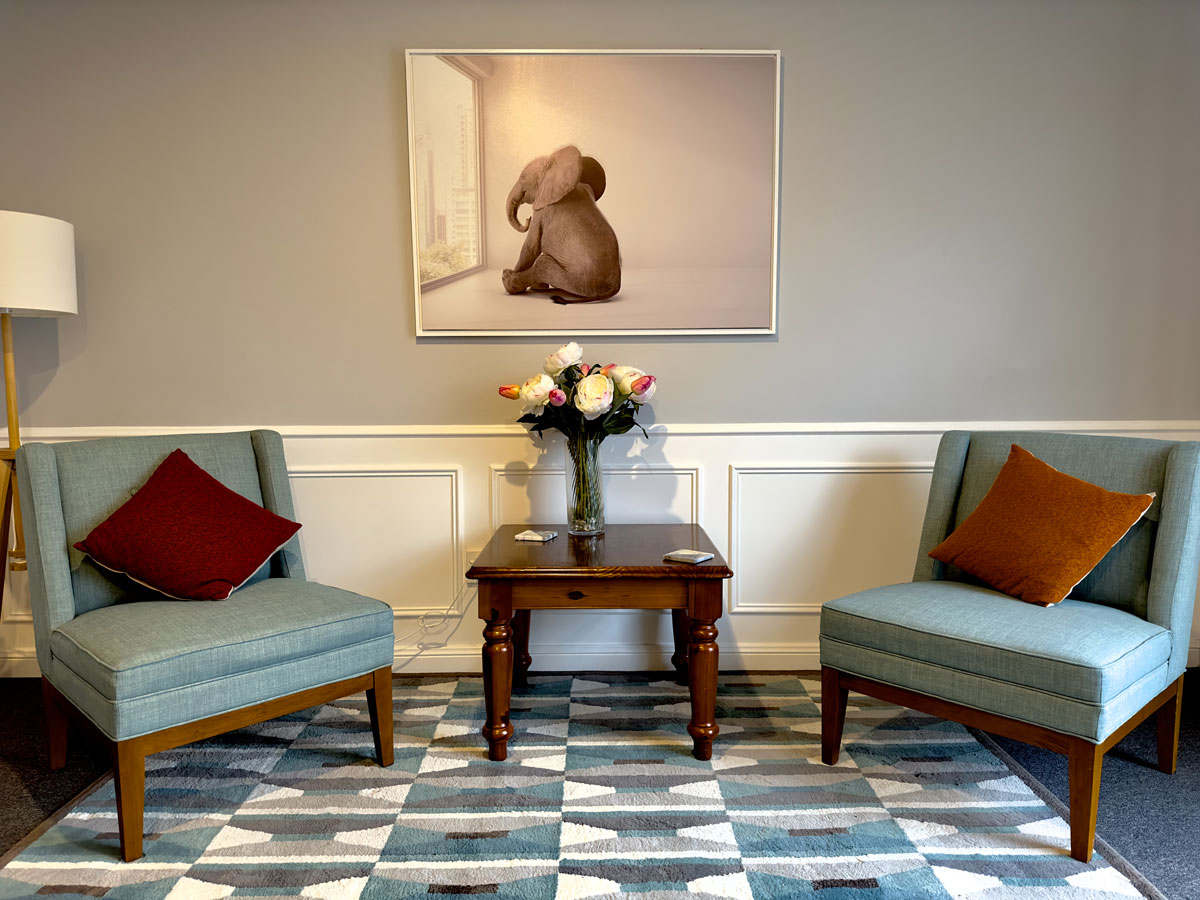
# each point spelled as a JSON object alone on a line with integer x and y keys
{"x": 615, "y": 658}
{"x": 19, "y": 665}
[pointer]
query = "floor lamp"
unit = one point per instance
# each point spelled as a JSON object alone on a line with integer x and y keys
{"x": 37, "y": 278}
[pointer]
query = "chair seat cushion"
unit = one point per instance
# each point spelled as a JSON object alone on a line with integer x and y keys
{"x": 133, "y": 650}
{"x": 1082, "y": 651}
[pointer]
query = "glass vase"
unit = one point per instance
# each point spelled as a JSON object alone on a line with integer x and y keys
{"x": 585, "y": 487}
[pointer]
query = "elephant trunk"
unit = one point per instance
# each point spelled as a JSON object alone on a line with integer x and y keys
{"x": 514, "y": 203}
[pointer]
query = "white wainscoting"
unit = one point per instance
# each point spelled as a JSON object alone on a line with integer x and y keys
{"x": 352, "y": 513}
{"x": 803, "y": 513}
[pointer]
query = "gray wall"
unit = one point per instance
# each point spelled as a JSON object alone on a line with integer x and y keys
{"x": 989, "y": 210}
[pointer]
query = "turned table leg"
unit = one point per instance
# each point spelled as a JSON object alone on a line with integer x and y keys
{"x": 702, "y": 680}
{"x": 497, "y": 686}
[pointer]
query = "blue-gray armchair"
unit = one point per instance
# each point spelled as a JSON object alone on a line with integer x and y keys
{"x": 150, "y": 673}
{"x": 1075, "y": 677}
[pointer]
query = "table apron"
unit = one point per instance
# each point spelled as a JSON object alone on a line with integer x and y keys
{"x": 599, "y": 593}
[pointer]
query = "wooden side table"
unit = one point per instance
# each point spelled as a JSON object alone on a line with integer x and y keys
{"x": 620, "y": 569}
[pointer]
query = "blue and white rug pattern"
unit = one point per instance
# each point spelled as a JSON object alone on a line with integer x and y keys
{"x": 599, "y": 798}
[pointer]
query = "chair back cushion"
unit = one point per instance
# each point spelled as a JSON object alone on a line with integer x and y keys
{"x": 1128, "y": 465}
{"x": 97, "y": 477}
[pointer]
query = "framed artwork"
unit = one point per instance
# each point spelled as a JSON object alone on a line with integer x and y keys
{"x": 568, "y": 192}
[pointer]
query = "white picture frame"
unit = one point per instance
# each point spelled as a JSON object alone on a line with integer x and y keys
{"x": 687, "y": 142}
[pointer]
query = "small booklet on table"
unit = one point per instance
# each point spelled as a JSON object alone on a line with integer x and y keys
{"x": 530, "y": 535}
{"x": 687, "y": 556}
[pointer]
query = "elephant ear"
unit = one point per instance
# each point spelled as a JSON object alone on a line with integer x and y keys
{"x": 593, "y": 176}
{"x": 562, "y": 174}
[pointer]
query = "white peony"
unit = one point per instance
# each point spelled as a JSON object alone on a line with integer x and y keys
{"x": 563, "y": 358}
{"x": 594, "y": 395}
{"x": 535, "y": 393}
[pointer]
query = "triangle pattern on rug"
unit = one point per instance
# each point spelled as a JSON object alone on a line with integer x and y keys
{"x": 600, "y": 797}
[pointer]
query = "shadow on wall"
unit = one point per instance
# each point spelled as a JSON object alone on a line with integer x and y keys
{"x": 640, "y": 484}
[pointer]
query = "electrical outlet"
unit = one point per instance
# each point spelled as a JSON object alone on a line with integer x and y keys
{"x": 466, "y": 592}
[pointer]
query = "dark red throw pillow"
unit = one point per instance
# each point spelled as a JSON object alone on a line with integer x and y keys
{"x": 186, "y": 535}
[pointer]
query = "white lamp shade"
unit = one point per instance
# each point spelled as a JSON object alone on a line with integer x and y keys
{"x": 37, "y": 265}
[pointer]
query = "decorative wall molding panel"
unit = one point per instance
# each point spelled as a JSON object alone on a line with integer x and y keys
{"x": 390, "y": 532}
{"x": 856, "y": 506}
{"x": 803, "y": 513}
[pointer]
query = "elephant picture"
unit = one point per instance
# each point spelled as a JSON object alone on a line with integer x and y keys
{"x": 526, "y": 166}
{"x": 569, "y": 245}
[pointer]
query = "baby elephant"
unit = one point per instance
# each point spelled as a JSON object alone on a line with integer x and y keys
{"x": 569, "y": 245}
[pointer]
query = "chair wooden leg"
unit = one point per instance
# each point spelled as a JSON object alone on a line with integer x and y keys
{"x": 56, "y": 725}
{"x": 129, "y": 777}
{"x": 1167, "y": 720}
{"x": 1084, "y": 763}
{"x": 379, "y": 703}
{"x": 833, "y": 715}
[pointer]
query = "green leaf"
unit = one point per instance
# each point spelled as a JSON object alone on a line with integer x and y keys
{"x": 619, "y": 420}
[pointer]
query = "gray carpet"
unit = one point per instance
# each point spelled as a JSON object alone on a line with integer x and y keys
{"x": 29, "y": 791}
{"x": 1150, "y": 818}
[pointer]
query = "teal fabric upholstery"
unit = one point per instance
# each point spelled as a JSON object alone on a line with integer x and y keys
{"x": 1061, "y": 666}
{"x": 1081, "y": 667}
{"x": 142, "y": 678}
{"x": 135, "y": 663}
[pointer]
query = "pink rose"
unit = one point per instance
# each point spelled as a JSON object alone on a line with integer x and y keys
{"x": 557, "y": 397}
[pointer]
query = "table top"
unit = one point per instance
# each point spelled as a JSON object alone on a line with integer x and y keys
{"x": 622, "y": 551}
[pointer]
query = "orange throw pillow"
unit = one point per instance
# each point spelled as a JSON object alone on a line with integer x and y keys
{"x": 1038, "y": 531}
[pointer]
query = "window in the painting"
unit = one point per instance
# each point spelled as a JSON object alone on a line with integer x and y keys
{"x": 446, "y": 147}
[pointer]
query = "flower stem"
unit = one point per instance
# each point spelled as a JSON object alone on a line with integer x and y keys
{"x": 585, "y": 490}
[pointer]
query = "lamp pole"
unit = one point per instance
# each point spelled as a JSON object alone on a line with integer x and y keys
{"x": 17, "y": 554}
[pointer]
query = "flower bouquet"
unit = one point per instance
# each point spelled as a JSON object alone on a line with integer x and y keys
{"x": 586, "y": 403}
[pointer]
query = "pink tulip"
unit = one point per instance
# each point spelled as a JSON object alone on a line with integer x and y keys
{"x": 511, "y": 391}
{"x": 584, "y": 368}
{"x": 557, "y": 397}
{"x": 643, "y": 388}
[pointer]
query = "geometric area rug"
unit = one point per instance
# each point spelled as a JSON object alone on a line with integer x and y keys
{"x": 599, "y": 798}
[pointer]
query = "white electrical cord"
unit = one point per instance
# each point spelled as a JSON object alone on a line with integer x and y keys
{"x": 430, "y": 621}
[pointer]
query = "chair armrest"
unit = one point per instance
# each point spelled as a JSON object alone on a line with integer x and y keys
{"x": 1172, "y": 592}
{"x": 943, "y": 501}
{"x": 51, "y": 594}
{"x": 277, "y": 497}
